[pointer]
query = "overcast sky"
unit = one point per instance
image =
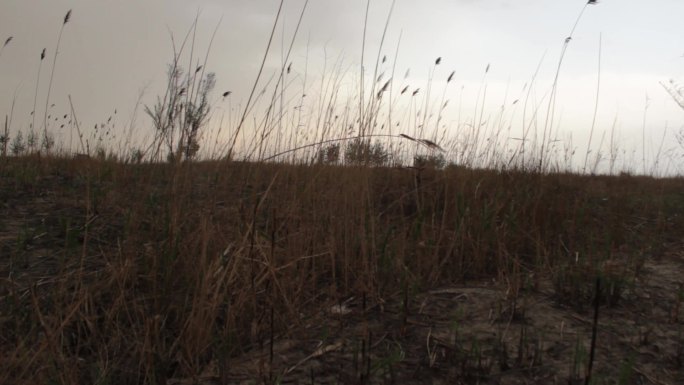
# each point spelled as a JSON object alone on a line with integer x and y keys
{"x": 114, "y": 51}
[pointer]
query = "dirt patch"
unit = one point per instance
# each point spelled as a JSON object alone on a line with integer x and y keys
{"x": 475, "y": 334}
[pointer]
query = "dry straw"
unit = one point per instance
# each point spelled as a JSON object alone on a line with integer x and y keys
{"x": 5, "y": 45}
{"x": 46, "y": 139}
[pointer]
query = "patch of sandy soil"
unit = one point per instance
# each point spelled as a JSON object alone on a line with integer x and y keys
{"x": 474, "y": 335}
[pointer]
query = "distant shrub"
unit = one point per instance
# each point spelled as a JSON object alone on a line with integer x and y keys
{"x": 18, "y": 147}
{"x": 179, "y": 116}
{"x": 433, "y": 161}
{"x": 362, "y": 152}
{"x": 329, "y": 154}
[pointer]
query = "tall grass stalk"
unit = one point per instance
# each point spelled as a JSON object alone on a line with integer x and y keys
{"x": 248, "y": 104}
{"x": 391, "y": 87}
{"x": 647, "y": 103}
{"x": 524, "y": 125}
{"x": 4, "y": 138}
{"x": 279, "y": 89}
{"x": 362, "y": 90}
{"x": 613, "y": 147}
{"x": 550, "y": 110}
{"x": 7, "y": 41}
{"x": 375, "y": 99}
{"x": 84, "y": 149}
{"x": 35, "y": 95}
{"x": 596, "y": 105}
{"x": 46, "y": 138}
{"x": 8, "y": 122}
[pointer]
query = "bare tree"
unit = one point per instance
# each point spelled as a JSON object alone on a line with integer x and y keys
{"x": 180, "y": 114}
{"x": 676, "y": 91}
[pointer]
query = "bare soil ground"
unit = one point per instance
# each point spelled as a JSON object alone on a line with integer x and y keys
{"x": 472, "y": 335}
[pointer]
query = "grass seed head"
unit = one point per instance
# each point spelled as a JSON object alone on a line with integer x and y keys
{"x": 432, "y": 145}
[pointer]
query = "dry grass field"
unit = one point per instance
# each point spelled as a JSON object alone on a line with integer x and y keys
{"x": 345, "y": 238}
{"x": 246, "y": 272}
